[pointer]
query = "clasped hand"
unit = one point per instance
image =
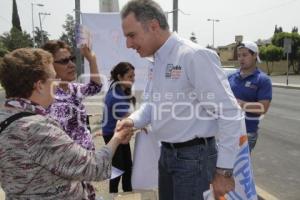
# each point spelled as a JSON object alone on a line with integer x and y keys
{"x": 124, "y": 131}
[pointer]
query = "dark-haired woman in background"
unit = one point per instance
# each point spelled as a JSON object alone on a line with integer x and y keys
{"x": 118, "y": 103}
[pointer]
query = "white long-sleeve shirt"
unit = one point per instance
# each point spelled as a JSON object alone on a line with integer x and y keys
{"x": 189, "y": 96}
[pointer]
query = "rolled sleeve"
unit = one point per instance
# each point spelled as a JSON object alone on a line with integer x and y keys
{"x": 228, "y": 141}
{"x": 207, "y": 77}
{"x": 142, "y": 116}
{"x": 89, "y": 89}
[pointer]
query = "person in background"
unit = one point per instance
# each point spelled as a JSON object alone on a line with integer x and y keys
{"x": 252, "y": 88}
{"x": 67, "y": 107}
{"x": 118, "y": 103}
{"x": 38, "y": 160}
{"x": 190, "y": 106}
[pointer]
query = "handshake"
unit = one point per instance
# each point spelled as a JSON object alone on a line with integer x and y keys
{"x": 124, "y": 130}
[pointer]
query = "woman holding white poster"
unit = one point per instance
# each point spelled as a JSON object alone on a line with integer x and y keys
{"x": 67, "y": 107}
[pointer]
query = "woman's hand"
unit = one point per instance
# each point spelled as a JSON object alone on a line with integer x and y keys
{"x": 87, "y": 53}
{"x": 97, "y": 134}
{"x": 123, "y": 133}
{"x": 92, "y": 59}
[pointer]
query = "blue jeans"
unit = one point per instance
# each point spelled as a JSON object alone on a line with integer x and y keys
{"x": 185, "y": 173}
{"x": 252, "y": 138}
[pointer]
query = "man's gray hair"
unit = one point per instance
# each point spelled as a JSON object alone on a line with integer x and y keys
{"x": 145, "y": 10}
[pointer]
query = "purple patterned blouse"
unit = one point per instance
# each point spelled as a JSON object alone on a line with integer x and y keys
{"x": 70, "y": 112}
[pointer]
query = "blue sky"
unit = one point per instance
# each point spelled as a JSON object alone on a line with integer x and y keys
{"x": 253, "y": 19}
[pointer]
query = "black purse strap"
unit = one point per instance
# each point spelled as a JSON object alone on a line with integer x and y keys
{"x": 13, "y": 118}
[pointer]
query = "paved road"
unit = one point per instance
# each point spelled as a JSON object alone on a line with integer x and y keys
{"x": 276, "y": 158}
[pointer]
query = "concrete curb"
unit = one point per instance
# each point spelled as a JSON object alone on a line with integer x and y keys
{"x": 290, "y": 86}
{"x": 2, "y": 194}
{"x": 263, "y": 195}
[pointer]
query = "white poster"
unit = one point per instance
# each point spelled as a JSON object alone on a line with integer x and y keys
{"x": 109, "y": 44}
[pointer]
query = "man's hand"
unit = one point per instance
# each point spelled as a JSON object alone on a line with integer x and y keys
{"x": 123, "y": 132}
{"x": 126, "y": 122}
{"x": 145, "y": 130}
{"x": 240, "y": 102}
{"x": 222, "y": 185}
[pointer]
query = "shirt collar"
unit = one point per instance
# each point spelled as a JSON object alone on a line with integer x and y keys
{"x": 256, "y": 71}
{"x": 166, "y": 48}
{"x": 61, "y": 94}
{"x": 26, "y": 105}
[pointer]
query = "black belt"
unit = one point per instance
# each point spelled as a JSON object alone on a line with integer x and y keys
{"x": 193, "y": 142}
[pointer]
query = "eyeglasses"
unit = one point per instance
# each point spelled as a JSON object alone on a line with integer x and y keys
{"x": 65, "y": 61}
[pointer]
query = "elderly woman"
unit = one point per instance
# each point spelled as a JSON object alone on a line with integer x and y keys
{"x": 38, "y": 160}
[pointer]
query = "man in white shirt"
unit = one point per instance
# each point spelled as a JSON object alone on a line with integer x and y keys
{"x": 190, "y": 105}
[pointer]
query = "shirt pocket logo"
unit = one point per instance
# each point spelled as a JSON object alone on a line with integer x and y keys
{"x": 248, "y": 84}
{"x": 173, "y": 72}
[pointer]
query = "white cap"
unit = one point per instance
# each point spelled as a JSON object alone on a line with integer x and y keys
{"x": 251, "y": 46}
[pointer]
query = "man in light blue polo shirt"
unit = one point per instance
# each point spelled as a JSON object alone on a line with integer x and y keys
{"x": 252, "y": 88}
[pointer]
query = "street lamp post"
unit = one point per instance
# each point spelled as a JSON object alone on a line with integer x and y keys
{"x": 32, "y": 18}
{"x": 41, "y": 27}
{"x": 175, "y": 15}
{"x": 213, "y": 22}
{"x": 79, "y": 62}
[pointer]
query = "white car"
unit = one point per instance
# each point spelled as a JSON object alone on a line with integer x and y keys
{"x": 229, "y": 70}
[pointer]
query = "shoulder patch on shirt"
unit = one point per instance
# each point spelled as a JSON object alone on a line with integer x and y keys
{"x": 173, "y": 72}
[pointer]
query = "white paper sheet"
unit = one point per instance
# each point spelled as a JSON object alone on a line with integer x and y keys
{"x": 145, "y": 161}
{"x": 115, "y": 172}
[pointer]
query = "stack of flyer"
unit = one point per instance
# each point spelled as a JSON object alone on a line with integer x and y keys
{"x": 83, "y": 36}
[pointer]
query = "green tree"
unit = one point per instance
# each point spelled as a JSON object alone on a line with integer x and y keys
{"x": 69, "y": 35}
{"x": 277, "y": 29}
{"x": 15, "y": 39}
{"x": 15, "y": 17}
{"x": 38, "y": 33}
{"x": 297, "y": 67}
{"x": 278, "y": 40}
{"x": 270, "y": 53}
{"x": 193, "y": 37}
{"x": 3, "y": 49}
{"x": 295, "y": 29}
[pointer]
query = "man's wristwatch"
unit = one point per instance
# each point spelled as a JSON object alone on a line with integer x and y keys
{"x": 224, "y": 172}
